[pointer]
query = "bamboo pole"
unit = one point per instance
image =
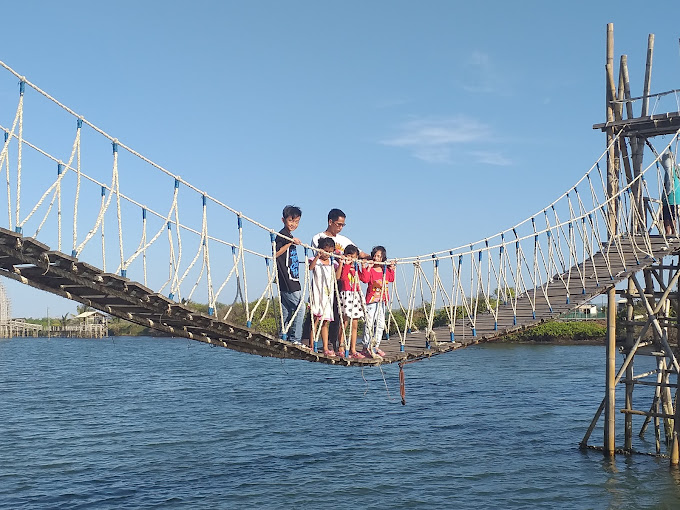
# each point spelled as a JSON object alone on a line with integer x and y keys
{"x": 630, "y": 386}
{"x": 610, "y": 394}
{"x": 648, "y": 76}
{"x": 610, "y": 373}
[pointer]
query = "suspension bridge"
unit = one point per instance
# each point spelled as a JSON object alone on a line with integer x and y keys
{"x": 184, "y": 262}
{"x": 577, "y": 247}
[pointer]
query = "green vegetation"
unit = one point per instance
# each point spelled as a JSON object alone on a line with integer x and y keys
{"x": 561, "y": 331}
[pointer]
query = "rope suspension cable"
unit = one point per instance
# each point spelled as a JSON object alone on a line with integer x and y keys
{"x": 174, "y": 285}
{"x": 268, "y": 291}
{"x": 76, "y": 201}
{"x": 4, "y": 155}
{"x": 5, "y": 158}
{"x": 537, "y": 277}
{"x": 574, "y": 258}
{"x": 200, "y": 251}
{"x": 404, "y": 311}
{"x": 116, "y": 190}
{"x": 102, "y": 210}
{"x": 460, "y": 293}
{"x": 446, "y": 299}
{"x": 171, "y": 258}
{"x": 20, "y": 145}
{"x": 243, "y": 265}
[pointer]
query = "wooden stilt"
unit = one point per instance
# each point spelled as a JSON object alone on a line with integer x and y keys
{"x": 610, "y": 405}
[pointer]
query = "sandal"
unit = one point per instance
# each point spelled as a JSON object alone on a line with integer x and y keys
{"x": 329, "y": 352}
{"x": 380, "y": 352}
{"x": 356, "y": 355}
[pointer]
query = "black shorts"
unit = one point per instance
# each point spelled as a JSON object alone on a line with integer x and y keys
{"x": 670, "y": 213}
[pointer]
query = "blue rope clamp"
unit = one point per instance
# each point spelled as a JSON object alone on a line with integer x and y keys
{"x": 123, "y": 273}
{"x": 22, "y": 87}
{"x": 401, "y": 347}
{"x": 211, "y": 310}
{"x": 60, "y": 168}
{"x": 79, "y": 124}
{"x": 453, "y": 337}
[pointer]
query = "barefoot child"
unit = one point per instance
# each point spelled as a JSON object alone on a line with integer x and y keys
{"x": 377, "y": 276}
{"x": 351, "y": 308}
{"x": 323, "y": 289}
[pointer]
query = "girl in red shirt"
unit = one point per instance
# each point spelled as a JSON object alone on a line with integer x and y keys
{"x": 377, "y": 276}
{"x": 350, "y": 305}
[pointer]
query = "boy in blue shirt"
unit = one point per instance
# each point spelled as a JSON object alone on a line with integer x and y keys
{"x": 289, "y": 274}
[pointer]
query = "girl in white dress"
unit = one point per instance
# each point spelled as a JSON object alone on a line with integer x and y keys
{"x": 323, "y": 291}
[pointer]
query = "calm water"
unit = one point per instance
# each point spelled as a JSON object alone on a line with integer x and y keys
{"x": 149, "y": 423}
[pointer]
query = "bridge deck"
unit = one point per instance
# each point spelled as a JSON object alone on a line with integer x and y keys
{"x": 33, "y": 263}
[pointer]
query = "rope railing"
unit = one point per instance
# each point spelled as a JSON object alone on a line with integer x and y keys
{"x": 539, "y": 263}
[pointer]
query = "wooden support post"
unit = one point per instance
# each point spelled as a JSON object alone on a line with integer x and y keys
{"x": 628, "y": 444}
{"x": 610, "y": 395}
{"x": 612, "y": 184}
{"x": 675, "y": 447}
{"x": 675, "y": 456}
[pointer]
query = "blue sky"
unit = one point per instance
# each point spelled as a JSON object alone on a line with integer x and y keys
{"x": 431, "y": 124}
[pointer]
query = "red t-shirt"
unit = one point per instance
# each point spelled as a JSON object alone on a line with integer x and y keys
{"x": 374, "y": 278}
{"x": 349, "y": 279}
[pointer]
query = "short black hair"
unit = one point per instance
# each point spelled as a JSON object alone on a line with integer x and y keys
{"x": 292, "y": 211}
{"x": 335, "y": 214}
{"x": 378, "y": 248}
{"x": 350, "y": 249}
{"x": 327, "y": 242}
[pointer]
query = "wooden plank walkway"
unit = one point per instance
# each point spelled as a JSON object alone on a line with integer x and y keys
{"x": 26, "y": 260}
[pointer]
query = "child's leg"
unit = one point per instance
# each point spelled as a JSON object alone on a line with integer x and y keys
{"x": 369, "y": 327}
{"x": 343, "y": 342}
{"x": 324, "y": 334}
{"x": 319, "y": 329}
{"x": 353, "y": 341}
{"x": 379, "y": 323}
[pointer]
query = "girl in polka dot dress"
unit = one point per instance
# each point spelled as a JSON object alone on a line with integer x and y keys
{"x": 350, "y": 304}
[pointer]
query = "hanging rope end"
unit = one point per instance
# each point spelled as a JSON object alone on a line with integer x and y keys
{"x": 402, "y": 384}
